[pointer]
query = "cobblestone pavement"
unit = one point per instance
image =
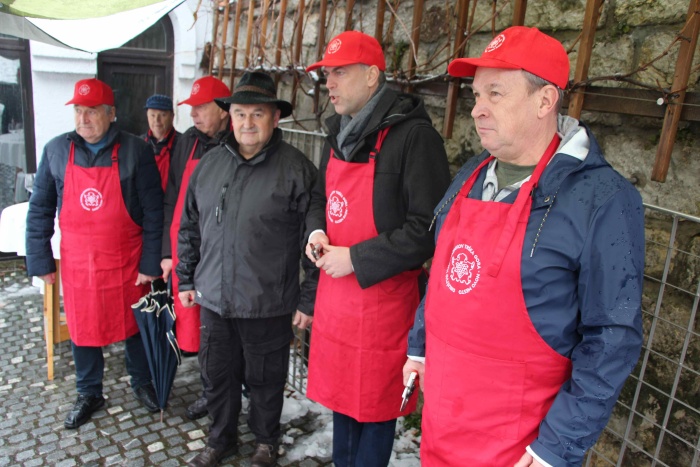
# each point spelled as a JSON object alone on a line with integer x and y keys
{"x": 32, "y": 409}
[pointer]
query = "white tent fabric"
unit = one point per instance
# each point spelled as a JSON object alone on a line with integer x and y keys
{"x": 91, "y": 34}
{"x": 18, "y": 26}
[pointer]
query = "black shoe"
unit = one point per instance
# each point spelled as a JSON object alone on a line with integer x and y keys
{"x": 82, "y": 410}
{"x": 265, "y": 455}
{"x": 197, "y": 409}
{"x": 210, "y": 457}
{"x": 147, "y": 396}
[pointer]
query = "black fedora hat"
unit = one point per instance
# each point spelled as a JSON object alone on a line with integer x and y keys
{"x": 256, "y": 87}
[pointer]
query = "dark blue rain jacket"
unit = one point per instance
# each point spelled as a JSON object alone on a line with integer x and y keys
{"x": 582, "y": 285}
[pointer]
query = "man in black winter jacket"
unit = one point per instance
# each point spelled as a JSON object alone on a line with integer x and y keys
{"x": 105, "y": 186}
{"x": 239, "y": 248}
{"x": 383, "y": 170}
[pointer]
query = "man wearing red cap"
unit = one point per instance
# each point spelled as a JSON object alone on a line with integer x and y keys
{"x": 106, "y": 188}
{"x": 211, "y": 126}
{"x": 532, "y": 319}
{"x": 383, "y": 170}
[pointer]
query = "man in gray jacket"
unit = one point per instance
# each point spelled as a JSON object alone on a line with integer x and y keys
{"x": 239, "y": 247}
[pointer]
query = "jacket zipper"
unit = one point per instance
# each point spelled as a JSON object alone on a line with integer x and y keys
{"x": 220, "y": 208}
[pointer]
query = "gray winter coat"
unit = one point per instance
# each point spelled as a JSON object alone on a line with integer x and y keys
{"x": 241, "y": 232}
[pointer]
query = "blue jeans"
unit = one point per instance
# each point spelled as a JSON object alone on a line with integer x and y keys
{"x": 90, "y": 365}
{"x": 357, "y": 444}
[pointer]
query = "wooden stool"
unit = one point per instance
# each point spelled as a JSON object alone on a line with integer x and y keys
{"x": 55, "y": 328}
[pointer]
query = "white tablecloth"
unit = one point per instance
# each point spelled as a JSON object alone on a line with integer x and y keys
{"x": 12, "y": 150}
{"x": 13, "y": 224}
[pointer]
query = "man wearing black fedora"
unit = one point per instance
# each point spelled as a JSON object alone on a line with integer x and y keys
{"x": 239, "y": 247}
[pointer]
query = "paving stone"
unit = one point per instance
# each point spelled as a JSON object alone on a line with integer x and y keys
{"x": 24, "y": 455}
{"x": 42, "y": 430}
{"x": 47, "y": 448}
{"x": 157, "y": 458}
{"x": 170, "y": 463}
{"x": 90, "y": 456}
{"x": 49, "y": 438}
{"x": 108, "y": 451}
{"x": 77, "y": 450}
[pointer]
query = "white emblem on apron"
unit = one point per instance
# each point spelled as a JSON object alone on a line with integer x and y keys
{"x": 337, "y": 207}
{"x": 463, "y": 270}
{"x": 91, "y": 199}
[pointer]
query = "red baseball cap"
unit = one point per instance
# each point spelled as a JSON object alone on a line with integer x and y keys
{"x": 205, "y": 90}
{"x": 520, "y": 48}
{"x": 92, "y": 92}
{"x": 351, "y": 47}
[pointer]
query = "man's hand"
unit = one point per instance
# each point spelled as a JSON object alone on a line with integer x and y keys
{"x": 49, "y": 278}
{"x": 187, "y": 298}
{"x": 318, "y": 239}
{"x": 301, "y": 320}
{"x": 335, "y": 261}
{"x": 527, "y": 461}
{"x": 143, "y": 279}
{"x": 166, "y": 264}
{"x": 410, "y": 366}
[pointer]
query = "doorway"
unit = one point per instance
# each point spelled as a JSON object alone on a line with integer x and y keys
{"x": 140, "y": 68}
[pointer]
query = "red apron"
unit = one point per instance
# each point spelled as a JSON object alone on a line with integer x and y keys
{"x": 489, "y": 377}
{"x": 163, "y": 159}
{"x": 187, "y": 329}
{"x": 359, "y": 335}
{"x": 100, "y": 254}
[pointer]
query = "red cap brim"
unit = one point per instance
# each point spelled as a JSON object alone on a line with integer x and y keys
{"x": 336, "y": 62}
{"x": 466, "y": 67}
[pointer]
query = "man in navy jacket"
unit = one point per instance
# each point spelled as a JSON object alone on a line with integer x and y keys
{"x": 105, "y": 186}
{"x": 532, "y": 319}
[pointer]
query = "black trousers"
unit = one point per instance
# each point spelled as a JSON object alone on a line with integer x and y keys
{"x": 230, "y": 347}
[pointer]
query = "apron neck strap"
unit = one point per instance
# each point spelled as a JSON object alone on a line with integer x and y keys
{"x": 115, "y": 152}
{"x": 519, "y": 212}
{"x": 378, "y": 145}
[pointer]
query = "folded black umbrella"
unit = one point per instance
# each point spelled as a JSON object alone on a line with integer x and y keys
{"x": 155, "y": 317}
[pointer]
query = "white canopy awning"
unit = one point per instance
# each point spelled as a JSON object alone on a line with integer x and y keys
{"x": 87, "y": 34}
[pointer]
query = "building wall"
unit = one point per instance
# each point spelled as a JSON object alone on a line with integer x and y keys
{"x": 55, "y": 71}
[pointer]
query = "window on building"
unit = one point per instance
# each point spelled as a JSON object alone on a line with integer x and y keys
{"x": 17, "y": 153}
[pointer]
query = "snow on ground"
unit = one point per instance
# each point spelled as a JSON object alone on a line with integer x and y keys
{"x": 319, "y": 442}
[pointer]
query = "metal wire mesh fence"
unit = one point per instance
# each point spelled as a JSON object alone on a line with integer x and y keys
{"x": 308, "y": 142}
{"x": 656, "y": 421}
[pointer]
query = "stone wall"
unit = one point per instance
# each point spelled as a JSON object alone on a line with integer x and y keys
{"x": 631, "y": 33}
